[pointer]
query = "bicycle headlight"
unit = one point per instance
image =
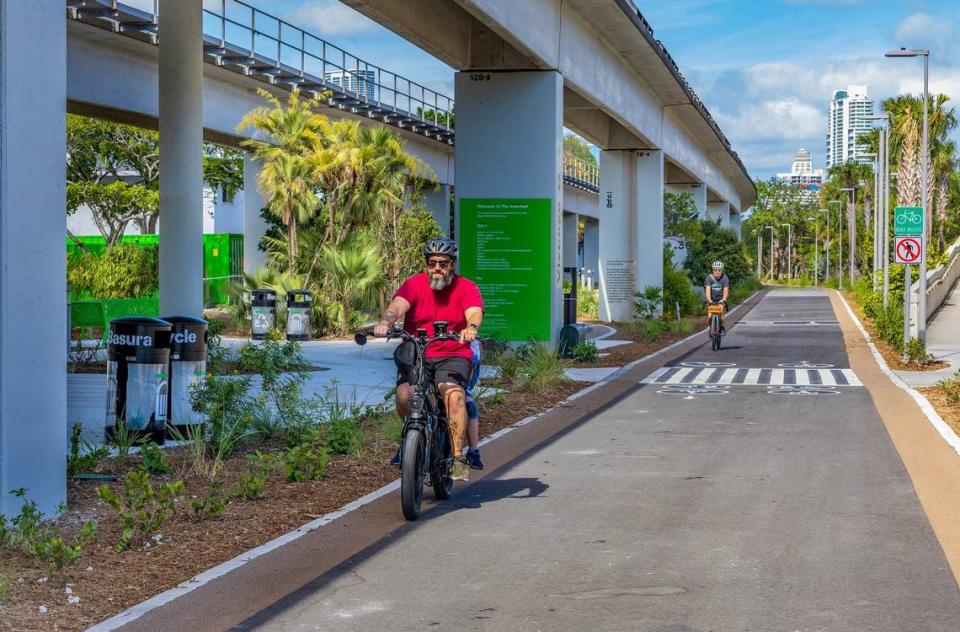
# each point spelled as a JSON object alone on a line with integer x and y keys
{"x": 416, "y": 405}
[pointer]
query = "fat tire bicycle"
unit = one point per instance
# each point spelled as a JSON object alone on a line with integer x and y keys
{"x": 425, "y": 451}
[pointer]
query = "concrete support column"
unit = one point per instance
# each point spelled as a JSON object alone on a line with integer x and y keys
{"x": 254, "y": 226}
{"x": 591, "y": 247}
{"x": 33, "y": 320}
{"x": 719, "y": 211}
{"x": 437, "y": 200}
{"x": 508, "y": 197}
{"x": 571, "y": 239}
{"x": 735, "y": 223}
{"x": 699, "y": 192}
{"x": 631, "y": 232}
{"x": 648, "y": 227}
{"x": 181, "y": 157}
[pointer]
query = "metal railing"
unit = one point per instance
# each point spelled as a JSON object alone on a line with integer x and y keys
{"x": 241, "y": 37}
{"x": 581, "y": 174}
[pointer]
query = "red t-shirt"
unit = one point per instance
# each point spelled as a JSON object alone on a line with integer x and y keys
{"x": 449, "y": 304}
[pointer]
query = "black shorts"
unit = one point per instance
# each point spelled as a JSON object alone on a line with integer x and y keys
{"x": 454, "y": 369}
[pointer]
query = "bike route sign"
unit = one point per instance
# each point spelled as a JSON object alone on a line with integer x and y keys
{"x": 908, "y": 250}
{"x": 908, "y": 220}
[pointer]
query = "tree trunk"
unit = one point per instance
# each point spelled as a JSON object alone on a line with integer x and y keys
{"x": 291, "y": 239}
{"x": 77, "y": 242}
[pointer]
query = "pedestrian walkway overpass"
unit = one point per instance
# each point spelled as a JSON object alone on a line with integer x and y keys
{"x": 191, "y": 69}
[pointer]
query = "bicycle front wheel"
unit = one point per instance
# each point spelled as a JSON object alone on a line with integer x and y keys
{"x": 440, "y": 476}
{"x": 411, "y": 474}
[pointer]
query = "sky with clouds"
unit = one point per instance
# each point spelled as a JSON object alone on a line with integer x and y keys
{"x": 766, "y": 69}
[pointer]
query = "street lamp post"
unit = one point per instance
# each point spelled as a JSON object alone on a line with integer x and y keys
{"x": 851, "y": 232}
{"x": 759, "y": 254}
{"x": 925, "y": 192}
{"x": 771, "y": 249}
{"x": 839, "y": 243}
{"x": 789, "y": 251}
{"x": 816, "y": 248}
{"x": 882, "y": 212}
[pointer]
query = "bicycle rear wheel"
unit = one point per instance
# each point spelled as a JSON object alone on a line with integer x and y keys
{"x": 411, "y": 474}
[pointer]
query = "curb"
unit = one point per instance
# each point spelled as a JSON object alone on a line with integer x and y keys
{"x": 932, "y": 415}
{"x": 135, "y": 612}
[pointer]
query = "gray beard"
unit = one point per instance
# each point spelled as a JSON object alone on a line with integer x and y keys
{"x": 441, "y": 284}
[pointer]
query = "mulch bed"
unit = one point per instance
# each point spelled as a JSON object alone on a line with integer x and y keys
{"x": 946, "y": 407}
{"x": 108, "y": 582}
{"x": 893, "y": 357}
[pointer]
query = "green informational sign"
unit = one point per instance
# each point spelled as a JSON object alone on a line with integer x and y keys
{"x": 908, "y": 220}
{"x": 505, "y": 247}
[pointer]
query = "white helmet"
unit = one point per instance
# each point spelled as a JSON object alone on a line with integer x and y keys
{"x": 717, "y": 264}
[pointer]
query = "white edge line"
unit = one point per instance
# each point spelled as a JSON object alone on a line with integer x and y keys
{"x": 135, "y": 612}
{"x": 935, "y": 419}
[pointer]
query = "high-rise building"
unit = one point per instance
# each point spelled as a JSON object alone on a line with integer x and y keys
{"x": 361, "y": 82}
{"x": 802, "y": 171}
{"x": 847, "y": 121}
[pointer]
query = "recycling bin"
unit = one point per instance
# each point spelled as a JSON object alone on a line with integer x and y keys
{"x": 138, "y": 357}
{"x": 299, "y": 305}
{"x": 188, "y": 368}
{"x": 264, "y": 313}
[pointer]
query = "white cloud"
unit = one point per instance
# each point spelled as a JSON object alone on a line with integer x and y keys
{"x": 773, "y": 119}
{"x": 330, "y": 17}
{"x": 922, "y": 30}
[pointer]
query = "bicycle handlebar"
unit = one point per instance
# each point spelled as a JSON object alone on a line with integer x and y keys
{"x": 361, "y": 337}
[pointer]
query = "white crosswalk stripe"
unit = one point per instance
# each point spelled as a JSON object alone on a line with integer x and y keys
{"x": 752, "y": 377}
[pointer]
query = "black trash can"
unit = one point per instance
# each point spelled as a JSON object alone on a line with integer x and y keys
{"x": 138, "y": 358}
{"x": 264, "y": 313}
{"x": 570, "y": 337}
{"x": 188, "y": 367}
{"x": 299, "y": 306}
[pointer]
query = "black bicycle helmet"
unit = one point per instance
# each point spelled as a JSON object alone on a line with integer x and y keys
{"x": 441, "y": 246}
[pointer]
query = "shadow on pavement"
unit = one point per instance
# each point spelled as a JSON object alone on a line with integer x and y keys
{"x": 490, "y": 490}
{"x": 474, "y": 496}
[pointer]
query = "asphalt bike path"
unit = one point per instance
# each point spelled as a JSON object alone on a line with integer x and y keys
{"x": 758, "y": 491}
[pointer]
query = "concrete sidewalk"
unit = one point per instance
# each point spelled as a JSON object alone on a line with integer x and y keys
{"x": 943, "y": 342}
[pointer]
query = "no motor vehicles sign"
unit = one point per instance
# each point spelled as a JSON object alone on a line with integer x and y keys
{"x": 908, "y": 250}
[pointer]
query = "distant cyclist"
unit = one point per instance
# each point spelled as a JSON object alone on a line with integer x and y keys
{"x": 716, "y": 288}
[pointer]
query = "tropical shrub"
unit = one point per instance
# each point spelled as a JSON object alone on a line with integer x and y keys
{"x": 123, "y": 271}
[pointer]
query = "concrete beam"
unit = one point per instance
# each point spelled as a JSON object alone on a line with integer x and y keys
{"x": 96, "y": 58}
{"x": 33, "y": 319}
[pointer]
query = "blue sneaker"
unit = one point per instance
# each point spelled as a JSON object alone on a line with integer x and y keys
{"x": 473, "y": 459}
{"x": 396, "y": 458}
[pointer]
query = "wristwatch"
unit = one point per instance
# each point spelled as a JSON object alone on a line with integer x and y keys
{"x": 475, "y": 326}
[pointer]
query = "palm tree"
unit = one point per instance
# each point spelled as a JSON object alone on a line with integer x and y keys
{"x": 289, "y": 134}
{"x": 353, "y": 275}
{"x": 288, "y": 182}
{"x": 942, "y": 165}
{"x": 362, "y": 171}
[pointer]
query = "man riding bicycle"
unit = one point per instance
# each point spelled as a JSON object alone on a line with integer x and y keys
{"x": 438, "y": 294}
{"x": 716, "y": 289}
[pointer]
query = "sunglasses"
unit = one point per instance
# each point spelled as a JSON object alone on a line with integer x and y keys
{"x": 439, "y": 263}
